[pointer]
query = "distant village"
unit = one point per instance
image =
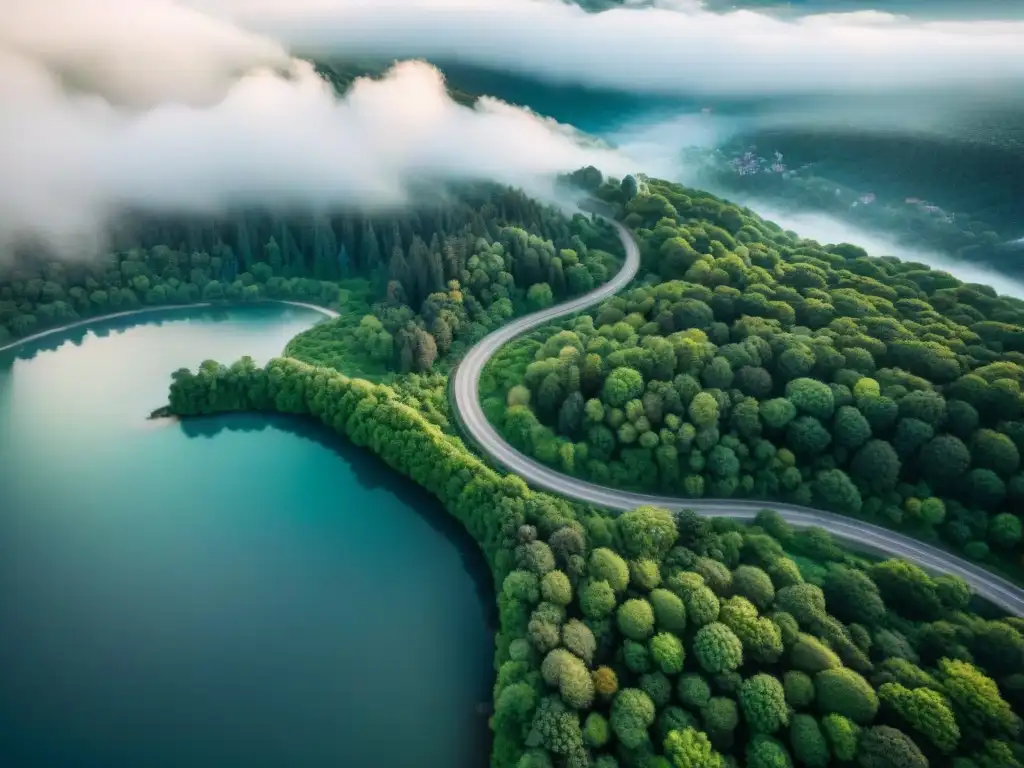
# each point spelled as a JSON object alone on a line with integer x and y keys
{"x": 750, "y": 163}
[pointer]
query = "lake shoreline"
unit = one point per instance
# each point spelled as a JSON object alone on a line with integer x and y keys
{"x": 330, "y": 313}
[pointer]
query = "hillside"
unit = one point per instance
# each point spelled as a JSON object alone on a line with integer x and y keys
{"x": 749, "y": 363}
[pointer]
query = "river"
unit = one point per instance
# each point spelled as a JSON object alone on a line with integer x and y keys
{"x": 223, "y": 592}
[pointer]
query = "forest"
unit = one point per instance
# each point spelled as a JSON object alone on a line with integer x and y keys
{"x": 411, "y": 286}
{"x": 745, "y": 362}
{"x": 653, "y": 640}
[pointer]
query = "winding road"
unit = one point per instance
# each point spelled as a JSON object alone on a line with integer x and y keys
{"x": 864, "y": 536}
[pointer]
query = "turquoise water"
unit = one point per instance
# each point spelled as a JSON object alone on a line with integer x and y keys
{"x": 228, "y": 592}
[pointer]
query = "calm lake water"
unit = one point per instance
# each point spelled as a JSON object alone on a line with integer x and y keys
{"x": 229, "y": 592}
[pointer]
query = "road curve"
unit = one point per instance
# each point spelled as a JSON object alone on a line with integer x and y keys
{"x": 864, "y": 536}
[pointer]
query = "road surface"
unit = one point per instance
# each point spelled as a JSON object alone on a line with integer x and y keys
{"x": 864, "y": 536}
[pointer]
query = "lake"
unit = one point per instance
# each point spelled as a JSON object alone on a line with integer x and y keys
{"x": 236, "y": 591}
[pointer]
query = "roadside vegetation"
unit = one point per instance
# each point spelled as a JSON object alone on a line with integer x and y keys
{"x": 747, "y": 363}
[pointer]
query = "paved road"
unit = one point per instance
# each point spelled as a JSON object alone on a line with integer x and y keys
{"x": 466, "y": 389}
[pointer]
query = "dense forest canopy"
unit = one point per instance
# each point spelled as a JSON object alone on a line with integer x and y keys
{"x": 413, "y": 284}
{"x": 749, "y": 363}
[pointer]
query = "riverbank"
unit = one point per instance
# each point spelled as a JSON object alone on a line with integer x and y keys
{"x": 330, "y": 313}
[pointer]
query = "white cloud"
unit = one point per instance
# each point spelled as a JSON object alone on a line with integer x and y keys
{"x": 174, "y": 111}
{"x": 678, "y": 49}
{"x": 197, "y": 105}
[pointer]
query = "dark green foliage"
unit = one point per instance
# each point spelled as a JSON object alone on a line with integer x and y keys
{"x": 753, "y": 584}
{"x": 810, "y": 655}
{"x": 842, "y": 736}
{"x": 717, "y": 648}
{"x": 693, "y": 691}
{"x": 799, "y": 688}
{"x": 885, "y": 747}
{"x": 809, "y": 745}
{"x": 844, "y": 692}
{"x": 763, "y": 702}
{"x": 766, "y": 752}
{"x": 766, "y": 367}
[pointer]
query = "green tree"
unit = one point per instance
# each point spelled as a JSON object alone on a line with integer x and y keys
{"x": 944, "y": 460}
{"x": 976, "y": 699}
{"x": 606, "y": 565}
{"x": 754, "y": 584}
{"x": 693, "y": 691}
{"x": 765, "y": 752}
{"x": 852, "y": 430}
{"x": 876, "y": 466}
{"x": 926, "y": 711}
{"x": 811, "y": 397}
{"x": 1004, "y": 530}
{"x": 669, "y": 611}
{"x": 667, "y": 653}
{"x": 763, "y": 701}
{"x": 647, "y": 532}
{"x": 597, "y": 599}
{"x": 842, "y": 735}
{"x": 621, "y": 386}
{"x": 632, "y": 714}
{"x": 717, "y": 648}
{"x": 556, "y": 588}
{"x": 690, "y": 748}
{"x": 852, "y": 596}
{"x": 994, "y": 450}
{"x": 799, "y": 689}
{"x": 809, "y": 745}
{"x": 885, "y": 747}
{"x": 635, "y": 619}
{"x": 842, "y": 691}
